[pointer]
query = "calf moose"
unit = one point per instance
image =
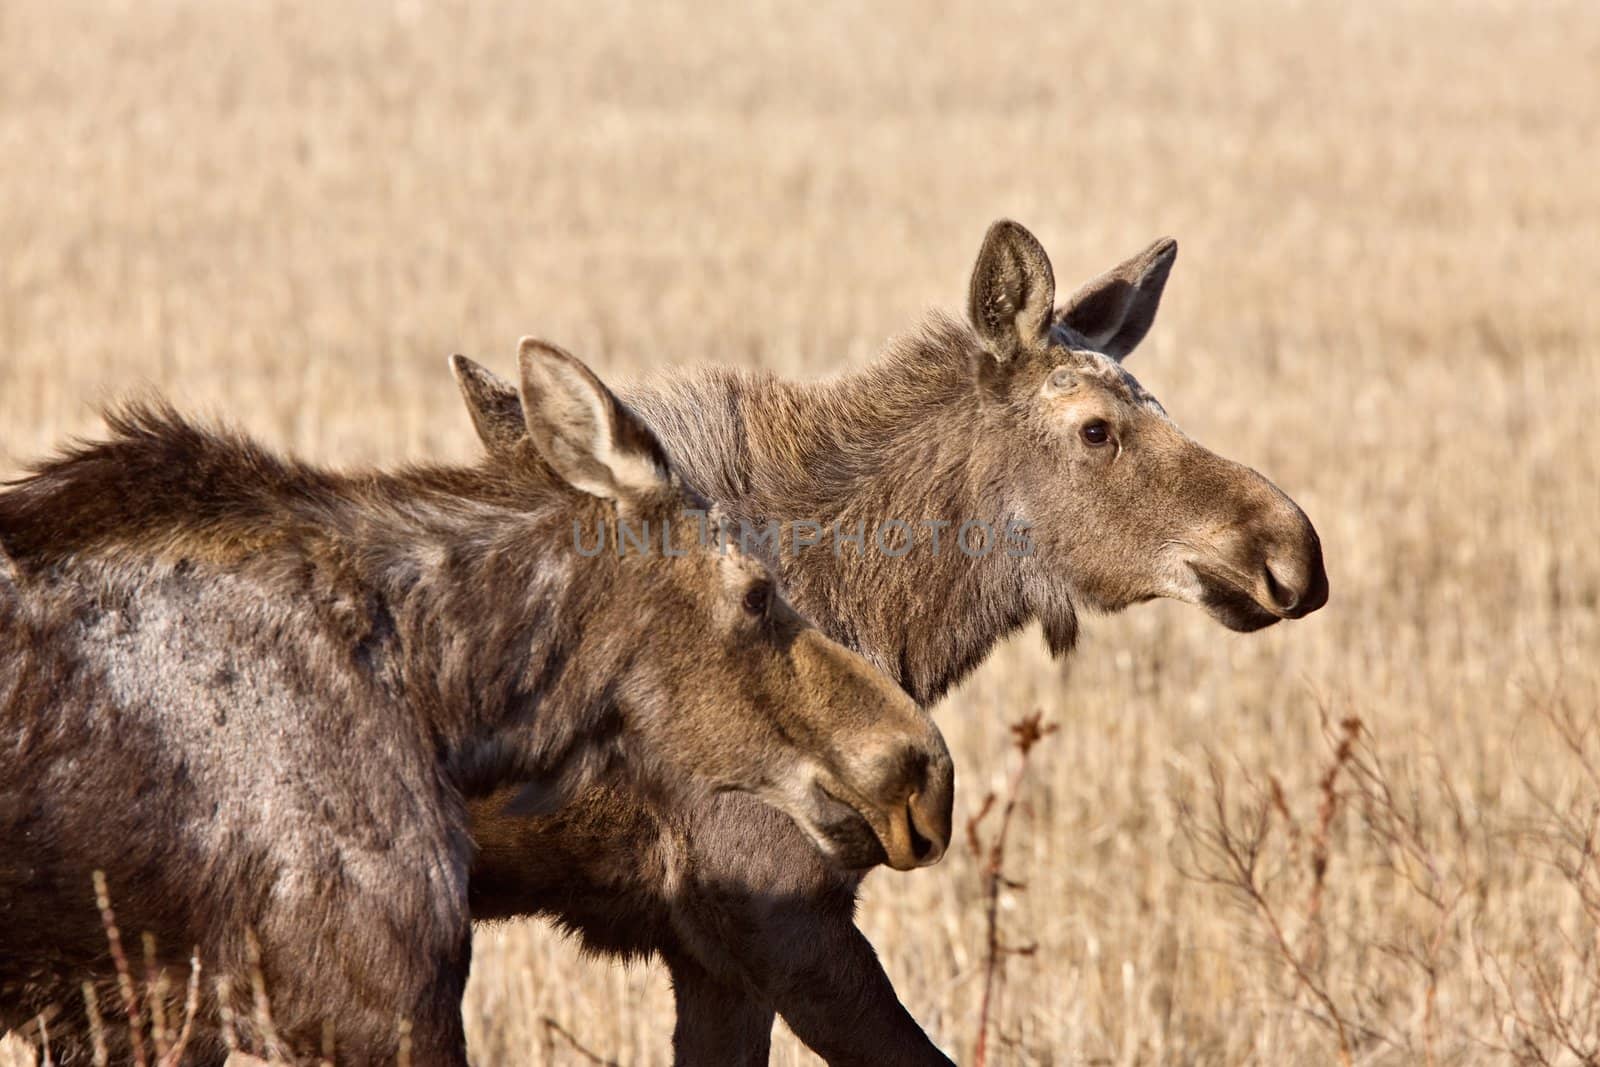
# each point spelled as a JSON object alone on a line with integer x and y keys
{"x": 1026, "y": 415}
{"x": 255, "y": 694}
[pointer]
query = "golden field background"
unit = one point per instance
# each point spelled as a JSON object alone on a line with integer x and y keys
{"x": 1389, "y": 219}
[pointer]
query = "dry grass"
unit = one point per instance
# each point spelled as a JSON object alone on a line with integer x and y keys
{"x": 1385, "y": 301}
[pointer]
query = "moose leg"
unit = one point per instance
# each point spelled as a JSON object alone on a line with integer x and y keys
{"x": 734, "y": 898}
{"x": 845, "y": 1011}
{"x": 437, "y": 1033}
{"x": 771, "y": 927}
{"x": 392, "y": 953}
{"x": 843, "y": 1006}
{"x": 718, "y": 1022}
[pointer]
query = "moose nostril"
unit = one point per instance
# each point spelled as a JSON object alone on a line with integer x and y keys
{"x": 1282, "y": 595}
{"x": 928, "y": 811}
{"x": 921, "y": 847}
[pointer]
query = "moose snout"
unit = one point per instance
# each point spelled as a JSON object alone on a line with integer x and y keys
{"x": 1258, "y": 559}
{"x": 893, "y": 807}
{"x": 918, "y": 827}
{"x": 884, "y": 787}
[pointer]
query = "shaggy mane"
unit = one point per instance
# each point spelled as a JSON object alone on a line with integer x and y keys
{"x": 160, "y": 482}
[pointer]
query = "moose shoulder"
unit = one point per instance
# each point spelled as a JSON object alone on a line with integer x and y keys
{"x": 254, "y": 693}
{"x": 1023, "y": 414}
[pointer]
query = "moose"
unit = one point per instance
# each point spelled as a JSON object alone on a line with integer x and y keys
{"x": 256, "y": 696}
{"x": 1025, "y": 413}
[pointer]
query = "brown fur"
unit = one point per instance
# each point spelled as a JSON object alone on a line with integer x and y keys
{"x": 957, "y": 422}
{"x": 256, "y": 693}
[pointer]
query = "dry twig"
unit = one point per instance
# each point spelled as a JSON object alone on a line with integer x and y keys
{"x": 553, "y": 1029}
{"x": 125, "y": 982}
{"x": 1026, "y": 733}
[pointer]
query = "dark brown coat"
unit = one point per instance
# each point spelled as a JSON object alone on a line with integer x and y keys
{"x": 255, "y": 693}
{"x": 1026, "y": 414}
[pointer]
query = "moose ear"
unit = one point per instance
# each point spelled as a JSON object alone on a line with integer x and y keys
{"x": 1012, "y": 290}
{"x": 1114, "y": 311}
{"x": 582, "y": 430}
{"x": 492, "y": 402}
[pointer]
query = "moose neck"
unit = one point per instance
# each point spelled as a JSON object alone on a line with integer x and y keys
{"x": 896, "y": 441}
{"x": 512, "y": 683}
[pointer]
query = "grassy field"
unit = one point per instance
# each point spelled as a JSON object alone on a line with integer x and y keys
{"x": 1385, "y": 301}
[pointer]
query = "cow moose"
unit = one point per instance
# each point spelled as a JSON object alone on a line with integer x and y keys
{"x": 257, "y": 694}
{"x": 1024, "y": 414}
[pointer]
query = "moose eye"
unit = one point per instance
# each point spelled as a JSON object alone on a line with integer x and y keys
{"x": 758, "y": 599}
{"x": 1096, "y": 432}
